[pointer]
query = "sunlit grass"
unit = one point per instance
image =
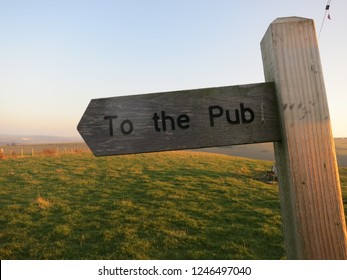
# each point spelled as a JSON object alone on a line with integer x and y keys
{"x": 174, "y": 205}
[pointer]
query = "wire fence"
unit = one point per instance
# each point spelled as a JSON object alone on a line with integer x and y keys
{"x": 16, "y": 151}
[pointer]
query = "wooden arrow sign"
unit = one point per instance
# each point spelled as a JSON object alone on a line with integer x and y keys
{"x": 179, "y": 120}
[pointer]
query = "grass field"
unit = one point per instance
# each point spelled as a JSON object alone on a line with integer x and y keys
{"x": 174, "y": 205}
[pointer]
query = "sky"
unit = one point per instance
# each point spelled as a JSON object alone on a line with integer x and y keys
{"x": 55, "y": 56}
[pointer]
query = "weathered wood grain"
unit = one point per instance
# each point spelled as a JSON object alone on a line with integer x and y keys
{"x": 135, "y": 131}
{"x": 311, "y": 202}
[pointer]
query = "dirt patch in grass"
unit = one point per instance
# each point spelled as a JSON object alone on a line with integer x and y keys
{"x": 43, "y": 203}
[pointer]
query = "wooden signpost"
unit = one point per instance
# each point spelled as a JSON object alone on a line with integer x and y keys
{"x": 181, "y": 120}
{"x": 310, "y": 191}
{"x": 290, "y": 110}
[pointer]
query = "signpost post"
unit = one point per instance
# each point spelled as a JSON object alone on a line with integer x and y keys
{"x": 290, "y": 110}
{"x": 310, "y": 191}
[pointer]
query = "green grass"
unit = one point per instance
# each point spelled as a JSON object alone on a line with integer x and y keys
{"x": 174, "y": 205}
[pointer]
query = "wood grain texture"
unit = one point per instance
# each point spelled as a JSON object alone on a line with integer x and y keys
{"x": 193, "y": 105}
{"x": 310, "y": 191}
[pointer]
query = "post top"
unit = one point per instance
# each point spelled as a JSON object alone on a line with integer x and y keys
{"x": 294, "y": 20}
{"x": 290, "y": 19}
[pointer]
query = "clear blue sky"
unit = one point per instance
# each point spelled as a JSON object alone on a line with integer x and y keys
{"x": 57, "y": 55}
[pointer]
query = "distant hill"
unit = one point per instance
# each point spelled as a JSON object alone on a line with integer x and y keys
{"x": 265, "y": 151}
{"x": 262, "y": 151}
{"x": 14, "y": 140}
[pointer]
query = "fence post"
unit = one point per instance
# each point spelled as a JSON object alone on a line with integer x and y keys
{"x": 310, "y": 192}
